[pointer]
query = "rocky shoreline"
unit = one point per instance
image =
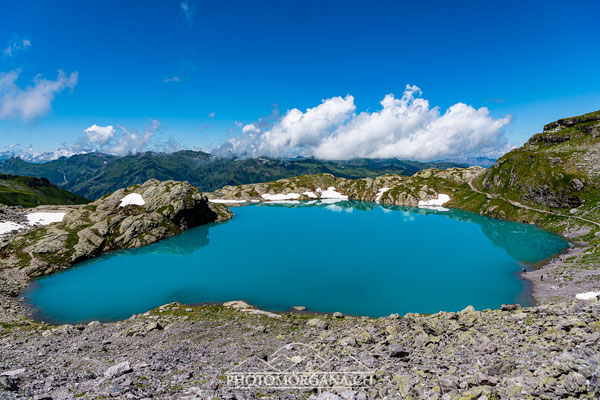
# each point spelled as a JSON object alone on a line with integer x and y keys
{"x": 182, "y": 352}
{"x": 553, "y": 281}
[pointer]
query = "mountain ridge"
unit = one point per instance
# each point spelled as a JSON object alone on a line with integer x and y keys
{"x": 93, "y": 175}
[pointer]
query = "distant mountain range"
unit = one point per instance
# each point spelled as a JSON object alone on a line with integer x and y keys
{"x": 93, "y": 175}
{"x": 38, "y": 157}
{"x": 31, "y": 192}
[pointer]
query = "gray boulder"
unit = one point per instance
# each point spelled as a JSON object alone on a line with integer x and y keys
{"x": 118, "y": 370}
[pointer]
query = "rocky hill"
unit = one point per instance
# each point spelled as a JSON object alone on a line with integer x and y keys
{"x": 127, "y": 218}
{"x": 424, "y": 186}
{"x": 31, "y": 192}
{"x": 94, "y": 175}
{"x": 558, "y": 168}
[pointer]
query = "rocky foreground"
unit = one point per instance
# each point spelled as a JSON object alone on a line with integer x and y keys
{"x": 182, "y": 352}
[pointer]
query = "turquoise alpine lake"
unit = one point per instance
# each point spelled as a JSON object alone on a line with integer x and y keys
{"x": 353, "y": 257}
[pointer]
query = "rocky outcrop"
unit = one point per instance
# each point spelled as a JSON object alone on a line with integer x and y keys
{"x": 397, "y": 190}
{"x": 570, "y": 122}
{"x": 558, "y": 168}
{"x": 12, "y": 214}
{"x": 165, "y": 209}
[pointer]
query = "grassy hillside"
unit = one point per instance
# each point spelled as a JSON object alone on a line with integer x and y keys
{"x": 556, "y": 169}
{"x": 94, "y": 175}
{"x": 31, "y": 192}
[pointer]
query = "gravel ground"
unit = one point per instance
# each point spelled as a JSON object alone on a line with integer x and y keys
{"x": 182, "y": 352}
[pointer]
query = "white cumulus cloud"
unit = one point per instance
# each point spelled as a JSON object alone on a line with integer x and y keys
{"x": 122, "y": 140}
{"x": 131, "y": 141}
{"x": 405, "y": 127}
{"x": 99, "y": 134}
{"x": 296, "y": 132}
{"x": 34, "y": 100}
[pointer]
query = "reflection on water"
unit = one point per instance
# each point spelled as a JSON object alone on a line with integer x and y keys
{"x": 513, "y": 237}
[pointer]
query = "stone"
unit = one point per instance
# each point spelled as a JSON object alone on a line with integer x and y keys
{"x": 349, "y": 395}
{"x": 13, "y": 373}
{"x": 577, "y": 184}
{"x": 338, "y": 315}
{"x": 317, "y": 323}
{"x": 237, "y": 305}
{"x": 118, "y": 370}
{"x": 299, "y": 308}
{"x": 153, "y": 326}
{"x": 399, "y": 351}
{"x": 327, "y": 396}
{"x": 487, "y": 347}
{"x": 348, "y": 341}
{"x": 8, "y": 383}
{"x": 448, "y": 382}
{"x": 572, "y": 382}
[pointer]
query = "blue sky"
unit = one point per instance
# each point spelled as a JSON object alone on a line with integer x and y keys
{"x": 242, "y": 59}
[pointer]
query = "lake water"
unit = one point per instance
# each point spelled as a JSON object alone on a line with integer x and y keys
{"x": 353, "y": 257}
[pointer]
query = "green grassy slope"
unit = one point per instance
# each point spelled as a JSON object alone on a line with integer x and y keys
{"x": 31, "y": 192}
{"x": 556, "y": 169}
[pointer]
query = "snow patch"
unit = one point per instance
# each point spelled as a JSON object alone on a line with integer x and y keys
{"x": 44, "y": 218}
{"x": 380, "y": 193}
{"x": 587, "y": 295}
{"x": 332, "y": 193}
{"x": 8, "y": 226}
{"x": 441, "y": 200}
{"x": 310, "y": 194}
{"x": 280, "y": 196}
{"x": 226, "y": 201}
{"x": 132, "y": 199}
{"x": 35, "y": 218}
